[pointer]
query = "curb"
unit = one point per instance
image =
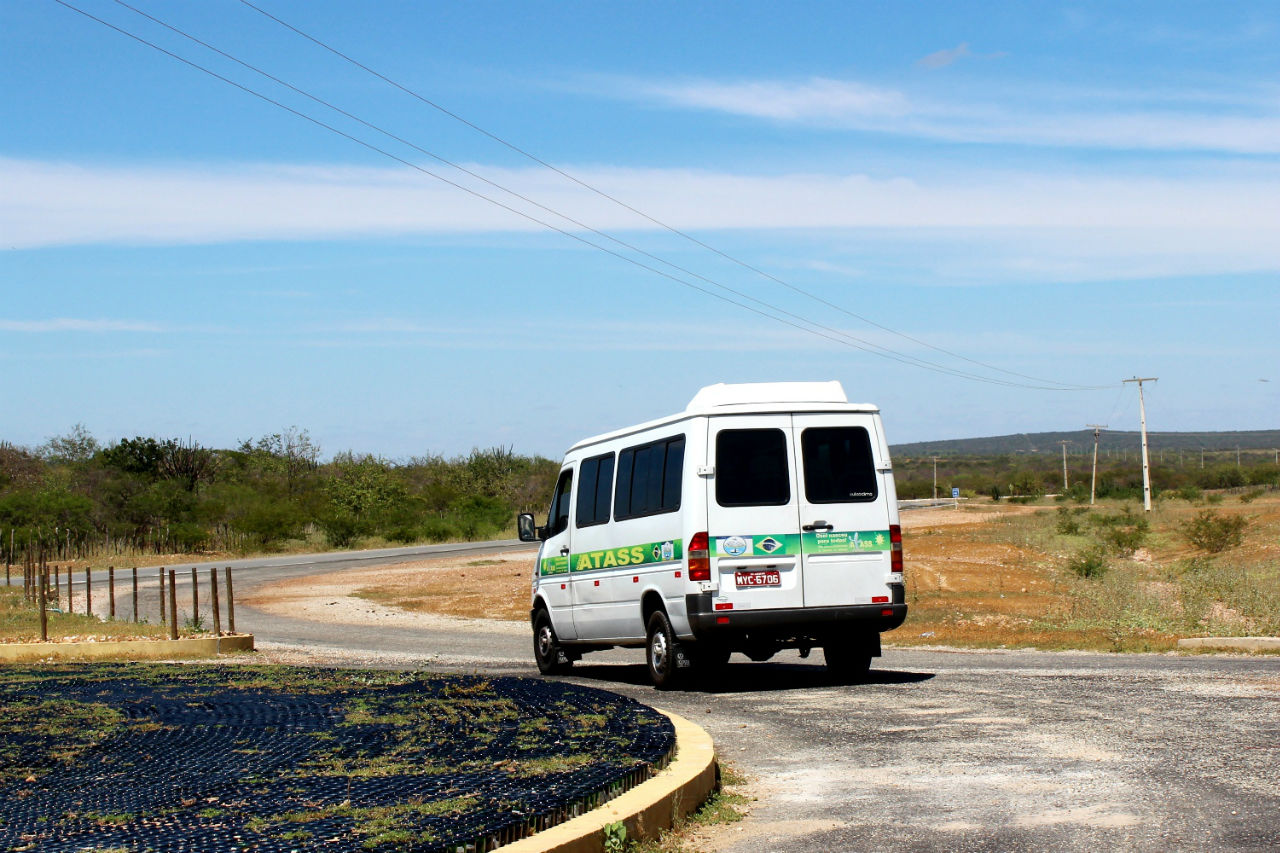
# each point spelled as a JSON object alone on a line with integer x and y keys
{"x": 646, "y": 809}
{"x": 199, "y": 647}
{"x": 1239, "y": 644}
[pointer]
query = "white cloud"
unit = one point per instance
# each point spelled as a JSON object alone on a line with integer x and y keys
{"x": 1161, "y": 121}
{"x": 943, "y": 58}
{"x": 1030, "y": 225}
{"x": 815, "y": 99}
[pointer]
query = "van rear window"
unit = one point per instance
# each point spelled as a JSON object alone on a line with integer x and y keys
{"x": 838, "y": 465}
{"x": 649, "y": 479}
{"x": 751, "y": 468}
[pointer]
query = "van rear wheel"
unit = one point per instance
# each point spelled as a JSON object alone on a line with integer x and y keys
{"x": 661, "y": 650}
{"x": 547, "y": 652}
{"x": 848, "y": 660}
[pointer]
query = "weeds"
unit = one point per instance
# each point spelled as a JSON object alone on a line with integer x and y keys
{"x": 1215, "y": 533}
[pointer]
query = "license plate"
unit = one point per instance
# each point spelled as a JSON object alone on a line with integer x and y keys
{"x": 766, "y": 578}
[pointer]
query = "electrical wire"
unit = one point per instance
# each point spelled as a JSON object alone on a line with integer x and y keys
{"x": 661, "y": 224}
{"x": 818, "y": 332}
{"x": 862, "y": 343}
{"x": 818, "y": 329}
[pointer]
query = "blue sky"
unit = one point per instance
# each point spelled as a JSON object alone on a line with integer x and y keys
{"x": 1044, "y": 195}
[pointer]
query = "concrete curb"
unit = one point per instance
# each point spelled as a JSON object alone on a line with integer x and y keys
{"x": 199, "y": 647}
{"x": 1239, "y": 644}
{"x": 646, "y": 809}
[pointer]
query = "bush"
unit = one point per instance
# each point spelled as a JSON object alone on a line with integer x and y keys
{"x": 1068, "y": 523}
{"x": 1251, "y": 495}
{"x": 1089, "y": 563}
{"x": 1190, "y": 493}
{"x": 1213, "y": 533}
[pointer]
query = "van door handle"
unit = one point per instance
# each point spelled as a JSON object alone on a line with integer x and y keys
{"x": 564, "y": 552}
{"x": 817, "y": 525}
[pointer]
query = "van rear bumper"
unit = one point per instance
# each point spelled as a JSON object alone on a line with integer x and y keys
{"x": 706, "y": 622}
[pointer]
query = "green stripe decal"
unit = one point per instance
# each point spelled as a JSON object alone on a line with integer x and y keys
{"x": 554, "y": 565}
{"x": 846, "y": 542}
{"x": 612, "y": 558}
{"x": 791, "y": 544}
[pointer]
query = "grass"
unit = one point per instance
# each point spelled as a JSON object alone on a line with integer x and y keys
{"x": 41, "y": 730}
{"x": 1107, "y": 578}
{"x": 728, "y": 804}
{"x": 20, "y": 623}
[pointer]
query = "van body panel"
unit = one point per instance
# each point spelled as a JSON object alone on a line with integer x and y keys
{"x": 752, "y": 522}
{"x": 845, "y": 542}
{"x": 792, "y": 488}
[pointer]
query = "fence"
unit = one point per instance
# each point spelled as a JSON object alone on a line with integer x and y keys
{"x": 43, "y": 587}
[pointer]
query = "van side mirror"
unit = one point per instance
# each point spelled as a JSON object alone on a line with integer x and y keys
{"x": 528, "y": 530}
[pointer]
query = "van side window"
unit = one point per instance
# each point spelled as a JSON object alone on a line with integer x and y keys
{"x": 649, "y": 478}
{"x": 558, "y": 517}
{"x": 838, "y": 465}
{"x": 751, "y": 468}
{"x": 595, "y": 488}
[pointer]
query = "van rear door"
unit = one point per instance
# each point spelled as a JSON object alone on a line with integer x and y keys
{"x": 844, "y": 516}
{"x": 752, "y": 517}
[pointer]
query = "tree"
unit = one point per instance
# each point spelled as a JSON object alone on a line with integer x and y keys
{"x": 76, "y": 446}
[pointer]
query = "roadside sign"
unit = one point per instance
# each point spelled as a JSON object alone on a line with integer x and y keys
{"x": 955, "y": 492}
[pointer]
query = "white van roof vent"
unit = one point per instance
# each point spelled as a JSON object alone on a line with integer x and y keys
{"x": 722, "y": 394}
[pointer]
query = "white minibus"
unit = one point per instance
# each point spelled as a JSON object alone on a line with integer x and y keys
{"x": 762, "y": 517}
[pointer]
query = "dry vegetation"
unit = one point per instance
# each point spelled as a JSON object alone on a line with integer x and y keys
{"x": 1014, "y": 579}
{"x": 987, "y": 575}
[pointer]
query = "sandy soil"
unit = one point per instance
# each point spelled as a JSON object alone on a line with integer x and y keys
{"x": 468, "y": 594}
{"x": 458, "y": 594}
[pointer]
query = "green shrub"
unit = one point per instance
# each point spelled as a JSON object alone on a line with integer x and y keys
{"x": 1068, "y": 523}
{"x": 1213, "y": 533}
{"x": 1190, "y": 493}
{"x": 1089, "y": 563}
{"x": 1251, "y": 495}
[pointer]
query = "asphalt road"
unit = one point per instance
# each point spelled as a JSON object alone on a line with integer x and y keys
{"x": 938, "y": 749}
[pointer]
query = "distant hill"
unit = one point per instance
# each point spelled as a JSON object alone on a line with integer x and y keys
{"x": 1048, "y": 442}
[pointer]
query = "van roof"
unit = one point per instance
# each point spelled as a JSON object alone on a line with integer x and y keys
{"x": 749, "y": 398}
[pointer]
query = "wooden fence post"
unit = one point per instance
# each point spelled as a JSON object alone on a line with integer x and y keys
{"x": 213, "y": 591}
{"x": 111, "y": 591}
{"x": 135, "y": 593}
{"x": 162, "y": 617}
{"x": 173, "y": 606}
{"x": 231, "y": 603}
{"x": 44, "y": 614}
{"x": 88, "y": 591}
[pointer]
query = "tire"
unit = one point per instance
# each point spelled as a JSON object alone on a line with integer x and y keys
{"x": 847, "y": 660}
{"x": 660, "y": 651}
{"x": 546, "y": 647}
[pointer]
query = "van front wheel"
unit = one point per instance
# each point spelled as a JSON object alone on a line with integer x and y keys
{"x": 660, "y": 652}
{"x": 550, "y": 657}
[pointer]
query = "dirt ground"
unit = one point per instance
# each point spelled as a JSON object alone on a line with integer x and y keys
{"x": 471, "y": 593}
{"x": 985, "y": 575}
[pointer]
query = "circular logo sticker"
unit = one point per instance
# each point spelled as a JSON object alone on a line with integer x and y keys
{"x": 734, "y": 546}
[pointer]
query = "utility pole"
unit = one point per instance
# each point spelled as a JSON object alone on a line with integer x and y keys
{"x": 1146, "y": 464}
{"x": 935, "y": 478}
{"x": 1064, "y": 444}
{"x": 1093, "y": 486}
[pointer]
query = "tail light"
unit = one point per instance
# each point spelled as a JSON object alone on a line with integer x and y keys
{"x": 699, "y": 558}
{"x": 895, "y": 548}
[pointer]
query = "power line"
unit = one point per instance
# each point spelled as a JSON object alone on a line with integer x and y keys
{"x": 828, "y": 333}
{"x": 661, "y": 224}
{"x": 861, "y": 343}
{"x": 846, "y": 341}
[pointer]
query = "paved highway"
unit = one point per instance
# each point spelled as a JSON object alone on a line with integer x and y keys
{"x": 938, "y": 750}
